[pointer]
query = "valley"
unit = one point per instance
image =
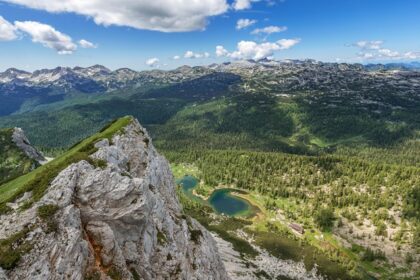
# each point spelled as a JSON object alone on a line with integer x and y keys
{"x": 331, "y": 148}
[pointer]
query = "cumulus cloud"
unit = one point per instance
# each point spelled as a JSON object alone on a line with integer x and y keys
{"x": 7, "y": 30}
{"x": 287, "y": 43}
{"x": 369, "y": 45}
{"x": 374, "y": 50}
{"x": 48, "y": 36}
{"x": 256, "y": 51}
{"x": 412, "y": 55}
{"x": 244, "y": 23}
{"x": 388, "y": 53}
{"x": 192, "y": 55}
{"x": 158, "y": 15}
{"x": 221, "y": 51}
{"x": 253, "y": 50}
{"x": 242, "y": 4}
{"x": 269, "y": 30}
{"x": 152, "y": 62}
{"x": 87, "y": 45}
{"x": 176, "y": 57}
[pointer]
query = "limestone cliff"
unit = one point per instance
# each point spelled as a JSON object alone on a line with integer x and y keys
{"x": 23, "y": 143}
{"x": 119, "y": 219}
{"x": 17, "y": 156}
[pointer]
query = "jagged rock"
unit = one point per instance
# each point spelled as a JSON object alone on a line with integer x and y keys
{"x": 23, "y": 143}
{"x": 2, "y": 275}
{"x": 122, "y": 221}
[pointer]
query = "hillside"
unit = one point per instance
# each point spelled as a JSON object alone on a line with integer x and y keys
{"x": 17, "y": 157}
{"x": 298, "y": 107}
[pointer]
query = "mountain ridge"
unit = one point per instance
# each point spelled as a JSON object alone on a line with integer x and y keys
{"x": 112, "y": 214}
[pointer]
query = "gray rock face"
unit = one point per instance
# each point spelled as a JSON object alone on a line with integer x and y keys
{"x": 120, "y": 222}
{"x": 23, "y": 143}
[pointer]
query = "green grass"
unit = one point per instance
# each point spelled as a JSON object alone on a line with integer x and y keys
{"x": 38, "y": 180}
{"x": 179, "y": 170}
{"x": 13, "y": 248}
{"x": 47, "y": 211}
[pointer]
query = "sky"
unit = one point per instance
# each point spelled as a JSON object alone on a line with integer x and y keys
{"x": 165, "y": 34}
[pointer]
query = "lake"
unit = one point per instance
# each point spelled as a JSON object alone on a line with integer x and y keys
{"x": 224, "y": 202}
{"x": 221, "y": 200}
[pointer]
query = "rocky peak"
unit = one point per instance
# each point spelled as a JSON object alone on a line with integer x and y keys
{"x": 23, "y": 143}
{"x": 95, "y": 70}
{"x": 114, "y": 217}
{"x": 12, "y": 74}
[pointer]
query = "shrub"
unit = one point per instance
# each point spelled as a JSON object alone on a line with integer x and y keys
{"x": 45, "y": 212}
{"x": 195, "y": 235}
{"x": 13, "y": 248}
{"x": 115, "y": 273}
{"x": 161, "y": 238}
{"x": 325, "y": 218}
{"x": 370, "y": 255}
{"x": 4, "y": 209}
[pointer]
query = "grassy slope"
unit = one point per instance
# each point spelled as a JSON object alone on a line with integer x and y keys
{"x": 13, "y": 161}
{"x": 39, "y": 179}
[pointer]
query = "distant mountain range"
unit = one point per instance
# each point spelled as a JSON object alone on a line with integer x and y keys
{"x": 21, "y": 91}
{"x": 395, "y": 66}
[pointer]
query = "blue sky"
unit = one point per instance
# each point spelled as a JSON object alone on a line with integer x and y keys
{"x": 138, "y": 34}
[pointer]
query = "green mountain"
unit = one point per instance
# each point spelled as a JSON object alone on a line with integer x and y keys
{"x": 332, "y": 148}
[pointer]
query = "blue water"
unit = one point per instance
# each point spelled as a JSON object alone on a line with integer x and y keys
{"x": 222, "y": 201}
{"x": 226, "y": 203}
{"x": 188, "y": 183}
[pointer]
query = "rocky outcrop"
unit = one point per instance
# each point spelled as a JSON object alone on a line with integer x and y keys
{"x": 23, "y": 143}
{"x": 118, "y": 221}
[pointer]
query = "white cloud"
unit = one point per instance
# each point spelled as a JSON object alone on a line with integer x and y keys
{"x": 159, "y": 15}
{"x": 253, "y": 50}
{"x": 176, "y": 57}
{"x": 221, "y": 51}
{"x": 192, "y": 55}
{"x": 242, "y": 4}
{"x": 269, "y": 30}
{"x": 369, "y": 45}
{"x": 152, "y": 62}
{"x": 87, "y": 45}
{"x": 7, "y": 30}
{"x": 388, "y": 53}
{"x": 366, "y": 55}
{"x": 287, "y": 43}
{"x": 373, "y": 50}
{"x": 412, "y": 55}
{"x": 244, "y": 23}
{"x": 47, "y": 36}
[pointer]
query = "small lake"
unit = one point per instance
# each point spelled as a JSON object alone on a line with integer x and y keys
{"x": 187, "y": 182}
{"x": 226, "y": 203}
{"x": 221, "y": 200}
